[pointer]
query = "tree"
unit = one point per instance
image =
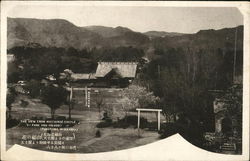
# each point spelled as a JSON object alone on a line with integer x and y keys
{"x": 100, "y": 102}
{"x": 171, "y": 88}
{"x": 233, "y": 105}
{"x": 54, "y": 97}
{"x": 181, "y": 78}
{"x": 136, "y": 96}
{"x": 34, "y": 87}
{"x": 68, "y": 79}
{"x": 117, "y": 54}
{"x": 11, "y": 95}
{"x": 71, "y": 102}
{"x": 13, "y": 73}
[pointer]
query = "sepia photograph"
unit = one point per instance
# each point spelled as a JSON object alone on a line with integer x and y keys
{"x": 101, "y": 78}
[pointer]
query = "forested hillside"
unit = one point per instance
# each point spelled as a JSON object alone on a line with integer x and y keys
{"x": 61, "y": 33}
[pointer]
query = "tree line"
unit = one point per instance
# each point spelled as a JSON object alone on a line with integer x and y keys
{"x": 36, "y": 63}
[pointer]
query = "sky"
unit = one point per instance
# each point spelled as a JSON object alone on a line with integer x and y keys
{"x": 137, "y": 18}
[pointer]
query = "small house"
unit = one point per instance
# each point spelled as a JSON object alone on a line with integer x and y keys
{"x": 108, "y": 74}
{"x": 115, "y": 74}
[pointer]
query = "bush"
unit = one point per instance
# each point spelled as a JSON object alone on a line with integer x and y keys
{"x": 168, "y": 130}
{"x": 98, "y": 134}
{"x": 24, "y": 103}
{"x": 104, "y": 124}
{"x": 152, "y": 126}
{"x": 124, "y": 122}
{"x": 121, "y": 124}
{"x": 192, "y": 133}
{"x": 106, "y": 116}
{"x": 130, "y": 121}
{"x": 107, "y": 122}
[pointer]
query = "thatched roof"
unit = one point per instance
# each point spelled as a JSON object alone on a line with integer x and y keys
{"x": 81, "y": 76}
{"x": 125, "y": 69}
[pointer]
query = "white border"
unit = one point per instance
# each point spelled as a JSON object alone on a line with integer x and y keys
{"x": 167, "y": 149}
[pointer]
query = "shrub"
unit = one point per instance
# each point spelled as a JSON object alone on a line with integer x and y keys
{"x": 168, "y": 130}
{"x": 104, "y": 124}
{"x": 107, "y": 114}
{"x": 24, "y": 103}
{"x": 152, "y": 126}
{"x": 130, "y": 121}
{"x": 192, "y": 133}
{"x": 123, "y": 123}
{"x": 98, "y": 134}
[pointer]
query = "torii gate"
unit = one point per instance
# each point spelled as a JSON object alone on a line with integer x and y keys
{"x": 152, "y": 110}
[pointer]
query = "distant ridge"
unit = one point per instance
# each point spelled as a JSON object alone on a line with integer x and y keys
{"x": 62, "y": 33}
{"x": 153, "y": 34}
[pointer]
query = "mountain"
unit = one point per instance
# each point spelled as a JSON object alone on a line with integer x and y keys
{"x": 107, "y": 31}
{"x": 53, "y": 32}
{"x": 204, "y": 39}
{"x": 154, "y": 34}
{"x": 119, "y": 36}
{"x": 61, "y": 33}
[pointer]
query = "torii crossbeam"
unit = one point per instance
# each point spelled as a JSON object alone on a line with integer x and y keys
{"x": 151, "y": 110}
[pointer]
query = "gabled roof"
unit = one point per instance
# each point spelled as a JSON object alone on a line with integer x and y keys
{"x": 114, "y": 73}
{"x": 125, "y": 69}
{"x": 80, "y": 76}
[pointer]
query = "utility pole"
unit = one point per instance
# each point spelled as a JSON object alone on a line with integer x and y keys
{"x": 235, "y": 49}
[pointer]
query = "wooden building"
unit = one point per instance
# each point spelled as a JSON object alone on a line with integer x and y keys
{"x": 108, "y": 74}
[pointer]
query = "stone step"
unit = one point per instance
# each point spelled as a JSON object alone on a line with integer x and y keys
{"x": 228, "y": 147}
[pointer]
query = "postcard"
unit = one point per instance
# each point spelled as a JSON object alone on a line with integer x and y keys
{"x": 121, "y": 80}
